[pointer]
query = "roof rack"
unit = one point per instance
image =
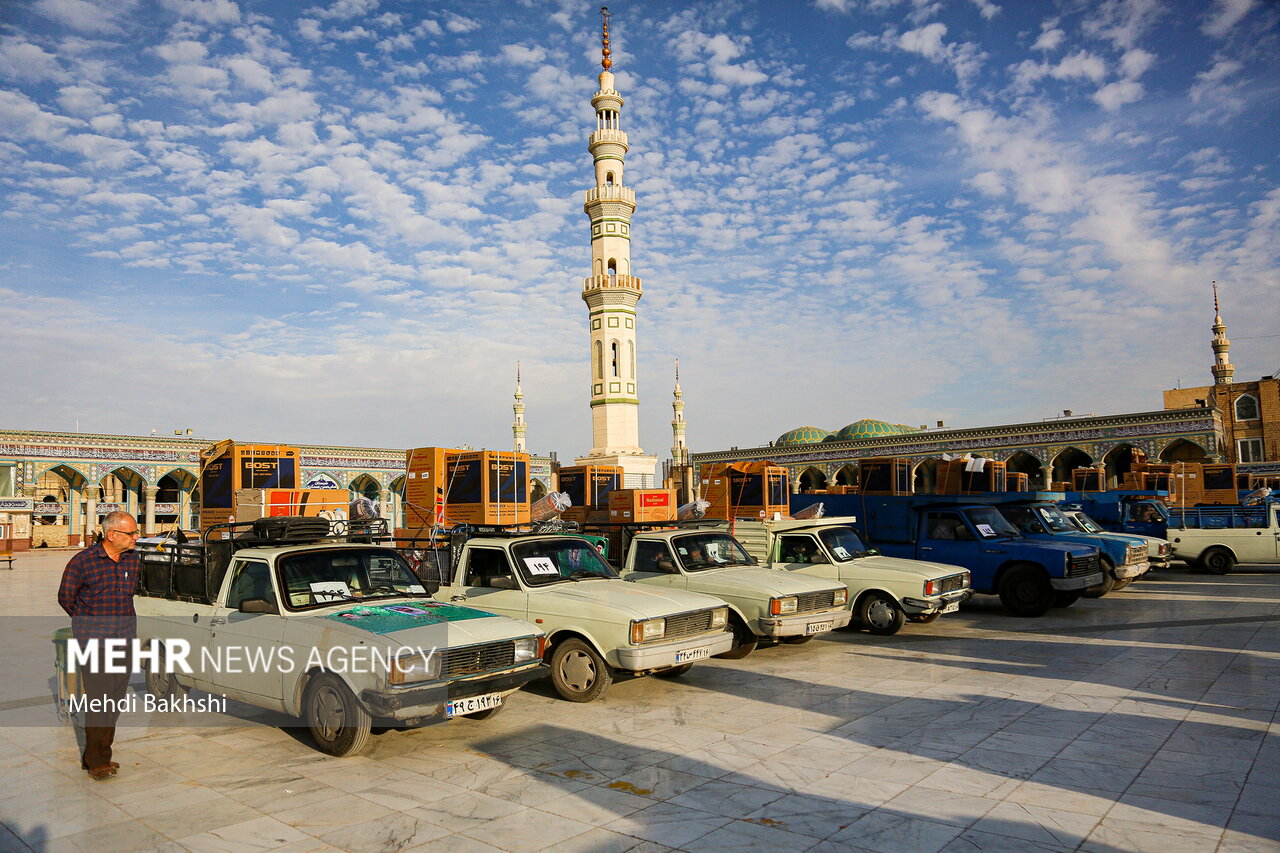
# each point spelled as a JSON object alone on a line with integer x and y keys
{"x": 295, "y": 530}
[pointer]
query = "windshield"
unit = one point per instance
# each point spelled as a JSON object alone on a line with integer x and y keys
{"x": 990, "y": 524}
{"x": 843, "y": 543}
{"x": 700, "y": 551}
{"x": 1152, "y": 512}
{"x": 319, "y": 578}
{"x": 561, "y": 558}
{"x": 1023, "y": 518}
{"x": 1085, "y": 523}
{"x": 1055, "y": 520}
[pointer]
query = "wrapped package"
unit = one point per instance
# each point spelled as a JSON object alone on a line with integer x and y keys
{"x": 549, "y": 506}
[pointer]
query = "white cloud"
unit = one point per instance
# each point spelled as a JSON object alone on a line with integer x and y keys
{"x": 1225, "y": 15}
{"x": 1049, "y": 39}
{"x": 211, "y": 12}
{"x": 986, "y": 8}
{"x": 22, "y": 60}
{"x": 1113, "y": 96}
{"x": 85, "y": 16}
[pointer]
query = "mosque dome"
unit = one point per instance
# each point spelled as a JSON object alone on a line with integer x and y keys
{"x": 868, "y": 428}
{"x": 802, "y": 435}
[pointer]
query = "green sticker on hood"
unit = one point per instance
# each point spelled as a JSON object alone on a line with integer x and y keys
{"x": 387, "y": 618}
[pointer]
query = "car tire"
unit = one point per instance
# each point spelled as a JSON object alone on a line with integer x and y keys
{"x": 1026, "y": 590}
{"x": 578, "y": 672}
{"x": 1108, "y": 581}
{"x": 1066, "y": 599}
{"x": 879, "y": 614}
{"x": 339, "y": 724}
{"x": 1122, "y": 583}
{"x": 795, "y": 641}
{"x": 675, "y": 671}
{"x": 744, "y": 639}
{"x": 1217, "y": 561}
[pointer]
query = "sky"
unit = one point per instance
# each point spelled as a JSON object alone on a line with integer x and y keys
{"x": 346, "y": 222}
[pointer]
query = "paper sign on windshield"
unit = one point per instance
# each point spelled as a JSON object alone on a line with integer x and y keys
{"x": 841, "y": 552}
{"x": 540, "y": 566}
{"x": 418, "y": 588}
{"x": 986, "y": 530}
{"x": 322, "y": 591}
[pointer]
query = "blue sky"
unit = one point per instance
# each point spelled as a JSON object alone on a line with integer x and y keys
{"x": 345, "y": 222}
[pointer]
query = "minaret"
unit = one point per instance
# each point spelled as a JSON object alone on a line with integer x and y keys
{"x": 679, "y": 450}
{"x": 612, "y": 293}
{"x": 518, "y": 426}
{"x": 1223, "y": 369}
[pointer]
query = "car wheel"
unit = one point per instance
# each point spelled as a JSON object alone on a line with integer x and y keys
{"x": 925, "y": 618}
{"x": 1121, "y": 584}
{"x": 744, "y": 640}
{"x": 578, "y": 672}
{"x": 1026, "y": 591}
{"x": 1217, "y": 561}
{"x": 880, "y": 614}
{"x": 1066, "y": 599}
{"x": 675, "y": 671}
{"x": 795, "y": 641}
{"x": 339, "y": 724}
{"x": 1108, "y": 582}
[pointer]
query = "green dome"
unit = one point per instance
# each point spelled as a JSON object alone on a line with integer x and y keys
{"x": 802, "y": 435}
{"x": 868, "y": 428}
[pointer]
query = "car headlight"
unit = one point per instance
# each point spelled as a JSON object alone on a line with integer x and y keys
{"x": 529, "y": 648}
{"x": 644, "y": 630}
{"x": 719, "y": 617}
{"x": 841, "y": 597}
{"x": 966, "y": 580}
{"x": 419, "y": 666}
{"x": 778, "y": 606}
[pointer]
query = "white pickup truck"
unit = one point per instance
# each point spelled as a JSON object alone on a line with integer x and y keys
{"x": 1215, "y": 538}
{"x": 884, "y": 591}
{"x": 284, "y": 616}
{"x": 762, "y": 603}
{"x": 596, "y": 623}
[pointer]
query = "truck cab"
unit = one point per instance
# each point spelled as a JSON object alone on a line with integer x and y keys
{"x": 597, "y": 624}
{"x": 1124, "y": 557}
{"x": 884, "y": 591}
{"x": 762, "y": 603}
{"x": 1144, "y": 513}
{"x": 1158, "y": 550}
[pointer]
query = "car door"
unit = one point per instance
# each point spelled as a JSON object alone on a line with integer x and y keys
{"x": 800, "y": 552}
{"x": 947, "y": 538}
{"x": 247, "y": 646}
{"x": 473, "y": 583}
{"x": 654, "y": 565}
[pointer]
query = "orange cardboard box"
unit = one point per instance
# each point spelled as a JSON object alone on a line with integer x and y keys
{"x": 642, "y": 505}
{"x": 252, "y": 504}
{"x": 746, "y": 490}
{"x": 448, "y": 487}
{"x": 227, "y": 468}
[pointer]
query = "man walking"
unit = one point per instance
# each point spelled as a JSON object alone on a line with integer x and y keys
{"x": 97, "y": 592}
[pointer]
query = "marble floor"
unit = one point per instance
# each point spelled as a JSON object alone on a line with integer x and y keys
{"x": 1145, "y": 721}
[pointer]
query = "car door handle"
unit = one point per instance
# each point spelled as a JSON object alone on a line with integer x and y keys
{"x": 925, "y": 548}
{"x": 458, "y": 598}
{"x": 217, "y": 620}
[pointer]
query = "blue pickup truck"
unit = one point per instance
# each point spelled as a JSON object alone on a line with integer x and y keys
{"x": 1030, "y": 576}
{"x": 1119, "y": 511}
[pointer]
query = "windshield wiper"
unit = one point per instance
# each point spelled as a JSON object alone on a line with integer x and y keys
{"x": 583, "y": 574}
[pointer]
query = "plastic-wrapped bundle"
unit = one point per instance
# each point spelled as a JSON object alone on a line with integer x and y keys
{"x": 811, "y": 511}
{"x": 363, "y": 507}
{"x": 549, "y": 506}
{"x": 692, "y": 510}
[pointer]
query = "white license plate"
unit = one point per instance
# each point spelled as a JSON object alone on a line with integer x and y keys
{"x": 819, "y": 627}
{"x": 951, "y": 608}
{"x": 692, "y": 654}
{"x": 459, "y": 707}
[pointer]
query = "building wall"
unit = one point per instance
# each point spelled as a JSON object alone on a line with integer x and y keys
{"x": 1267, "y": 427}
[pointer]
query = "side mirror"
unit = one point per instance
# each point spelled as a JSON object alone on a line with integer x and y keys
{"x": 504, "y": 583}
{"x": 257, "y": 605}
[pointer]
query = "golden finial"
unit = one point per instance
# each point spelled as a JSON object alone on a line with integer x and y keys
{"x": 605, "y": 61}
{"x": 1215, "y": 297}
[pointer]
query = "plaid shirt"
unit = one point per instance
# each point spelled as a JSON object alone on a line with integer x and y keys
{"x": 97, "y": 592}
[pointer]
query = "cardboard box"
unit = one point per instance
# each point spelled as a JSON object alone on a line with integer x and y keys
{"x": 954, "y": 477}
{"x": 746, "y": 490}
{"x": 1016, "y": 481}
{"x": 228, "y": 468}
{"x": 449, "y": 487}
{"x": 588, "y": 486}
{"x": 885, "y": 475}
{"x": 642, "y": 505}
{"x": 252, "y": 504}
{"x": 1089, "y": 480}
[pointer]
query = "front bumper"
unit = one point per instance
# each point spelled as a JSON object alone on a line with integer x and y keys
{"x": 1072, "y": 584}
{"x": 926, "y": 606}
{"x": 1131, "y": 570}
{"x": 797, "y": 624}
{"x": 663, "y": 655}
{"x": 416, "y": 703}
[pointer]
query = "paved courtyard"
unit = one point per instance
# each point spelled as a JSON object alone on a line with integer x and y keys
{"x": 1145, "y": 721}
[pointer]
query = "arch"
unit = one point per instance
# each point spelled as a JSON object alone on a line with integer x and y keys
{"x": 1183, "y": 450}
{"x": 184, "y": 478}
{"x": 364, "y": 485}
{"x": 1119, "y": 461}
{"x": 1245, "y": 408}
{"x": 608, "y": 179}
{"x": 924, "y": 480}
{"x": 613, "y": 360}
{"x": 1022, "y": 462}
{"x": 315, "y": 477}
{"x": 397, "y": 486}
{"x": 60, "y": 484}
{"x": 1067, "y": 460}
{"x": 599, "y": 267}
{"x": 537, "y": 490}
{"x": 847, "y": 476}
{"x": 122, "y": 485}
{"x": 812, "y": 479}
{"x": 73, "y": 477}
{"x": 613, "y": 267}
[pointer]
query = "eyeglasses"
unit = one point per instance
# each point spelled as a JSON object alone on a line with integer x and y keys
{"x": 135, "y": 532}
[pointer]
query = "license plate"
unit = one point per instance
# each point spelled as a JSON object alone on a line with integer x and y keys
{"x": 692, "y": 654}
{"x": 951, "y": 608}
{"x": 459, "y": 707}
{"x": 819, "y": 627}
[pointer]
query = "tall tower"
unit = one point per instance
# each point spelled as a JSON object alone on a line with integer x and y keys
{"x": 679, "y": 449}
{"x": 1223, "y": 369}
{"x": 518, "y": 426}
{"x": 612, "y": 293}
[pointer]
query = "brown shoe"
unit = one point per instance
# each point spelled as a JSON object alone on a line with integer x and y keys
{"x": 106, "y": 771}
{"x": 113, "y": 764}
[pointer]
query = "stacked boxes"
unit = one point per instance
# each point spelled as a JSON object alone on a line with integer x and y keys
{"x": 888, "y": 475}
{"x": 588, "y": 488}
{"x": 970, "y": 476}
{"x": 1219, "y": 485}
{"x": 228, "y": 468}
{"x": 252, "y": 504}
{"x": 639, "y": 506}
{"x": 449, "y": 487}
{"x": 746, "y": 490}
{"x": 1089, "y": 480}
{"x": 1016, "y": 481}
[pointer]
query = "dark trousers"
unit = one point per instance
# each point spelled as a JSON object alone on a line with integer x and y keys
{"x": 100, "y": 727}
